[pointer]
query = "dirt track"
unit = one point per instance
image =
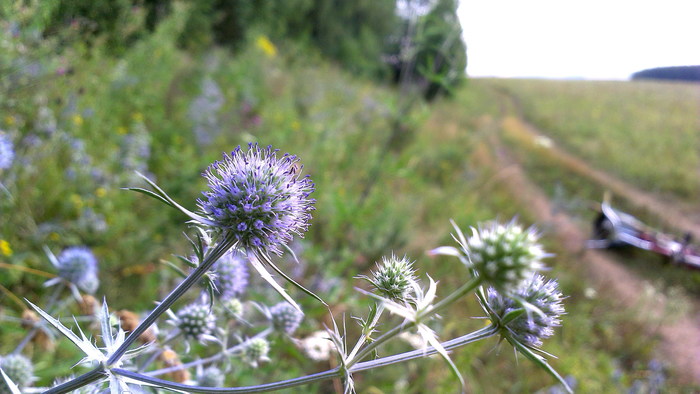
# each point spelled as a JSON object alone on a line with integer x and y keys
{"x": 680, "y": 338}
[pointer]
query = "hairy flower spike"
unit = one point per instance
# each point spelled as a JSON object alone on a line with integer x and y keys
{"x": 538, "y": 324}
{"x": 258, "y": 197}
{"x": 19, "y": 369}
{"x": 504, "y": 255}
{"x": 79, "y": 266}
{"x": 195, "y": 321}
{"x": 231, "y": 275}
{"x": 285, "y": 318}
{"x": 393, "y": 278}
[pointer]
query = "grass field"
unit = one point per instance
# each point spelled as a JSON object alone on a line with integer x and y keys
{"x": 645, "y": 132}
{"x": 390, "y": 174}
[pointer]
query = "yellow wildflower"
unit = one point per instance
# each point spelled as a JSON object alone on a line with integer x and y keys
{"x": 296, "y": 126}
{"x": 10, "y": 120}
{"x": 76, "y": 200}
{"x": 77, "y": 120}
{"x": 5, "y": 248}
{"x": 137, "y": 117}
{"x": 266, "y": 46}
{"x": 100, "y": 192}
{"x": 121, "y": 130}
{"x": 54, "y": 236}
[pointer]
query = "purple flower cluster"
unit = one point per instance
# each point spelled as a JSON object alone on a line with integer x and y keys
{"x": 530, "y": 328}
{"x": 285, "y": 318}
{"x": 231, "y": 275}
{"x": 78, "y": 265}
{"x": 259, "y": 198}
{"x": 7, "y": 152}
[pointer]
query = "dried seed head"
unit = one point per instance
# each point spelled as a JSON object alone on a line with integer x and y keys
{"x": 130, "y": 320}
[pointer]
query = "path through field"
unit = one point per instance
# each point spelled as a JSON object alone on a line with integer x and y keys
{"x": 680, "y": 338}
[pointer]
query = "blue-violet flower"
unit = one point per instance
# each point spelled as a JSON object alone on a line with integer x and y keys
{"x": 259, "y": 198}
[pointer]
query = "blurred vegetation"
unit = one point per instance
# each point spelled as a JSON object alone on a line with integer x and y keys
{"x": 420, "y": 39}
{"x": 92, "y": 91}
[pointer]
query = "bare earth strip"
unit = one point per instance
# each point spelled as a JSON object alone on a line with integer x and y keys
{"x": 680, "y": 343}
{"x": 673, "y": 214}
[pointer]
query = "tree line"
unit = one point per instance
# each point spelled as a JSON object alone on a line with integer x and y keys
{"x": 416, "y": 42}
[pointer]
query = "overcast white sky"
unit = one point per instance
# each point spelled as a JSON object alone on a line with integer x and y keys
{"x": 593, "y": 39}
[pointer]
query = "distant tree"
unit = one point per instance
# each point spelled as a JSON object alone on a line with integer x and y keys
{"x": 676, "y": 73}
{"x": 428, "y": 50}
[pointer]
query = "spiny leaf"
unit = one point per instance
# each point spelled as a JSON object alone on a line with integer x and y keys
{"x": 85, "y": 345}
{"x": 285, "y": 276}
{"x": 269, "y": 279}
{"x": 10, "y": 384}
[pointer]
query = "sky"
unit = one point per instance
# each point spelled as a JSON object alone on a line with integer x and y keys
{"x": 593, "y": 39}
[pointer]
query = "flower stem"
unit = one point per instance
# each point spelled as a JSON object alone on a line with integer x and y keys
{"x": 203, "y": 361}
{"x": 483, "y": 333}
{"x": 329, "y": 374}
{"x": 213, "y": 256}
{"x": 466, "y": 288}
{"x": 368, "y": 331}
{"x": 80, "y": 381}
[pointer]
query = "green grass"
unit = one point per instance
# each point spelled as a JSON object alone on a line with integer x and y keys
{"x": 390, "y": 173}
{"x": 644, "y": 132}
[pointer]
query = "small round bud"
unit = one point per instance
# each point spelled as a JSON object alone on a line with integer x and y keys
{"x": 19, "y": 369}
{"x": 504, "y": 255}
{"x": 285, "y": 318}
{"x": 393, "y": 277}
{"x": 233, "y": 307}
{"x": 256, "y": 351}
{"x": 318, "y": 346}
{"x": 195, "y": 320}
{"x": 210, "y": 377}
{"x": 529, "y": 328}
{"x": 79, "y": 266}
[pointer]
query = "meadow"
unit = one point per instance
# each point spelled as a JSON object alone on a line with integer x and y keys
{"x": 390, "y": 172}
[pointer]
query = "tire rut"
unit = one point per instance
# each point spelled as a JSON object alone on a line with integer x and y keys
{"x": 679, "y": 340}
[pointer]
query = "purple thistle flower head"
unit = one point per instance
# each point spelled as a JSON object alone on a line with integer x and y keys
{"x": 231, "y": 275}
{"x": 529, "y": 328}
{"x": 285, "y": 318}
{"x": 78, "y": 265}
{"x": 258, "y": 197}
{"x": 7, "y": 152}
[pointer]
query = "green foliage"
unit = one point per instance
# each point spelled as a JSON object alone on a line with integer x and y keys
{"x": 643, "y": 132}
{"x": 374, "y": 195}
